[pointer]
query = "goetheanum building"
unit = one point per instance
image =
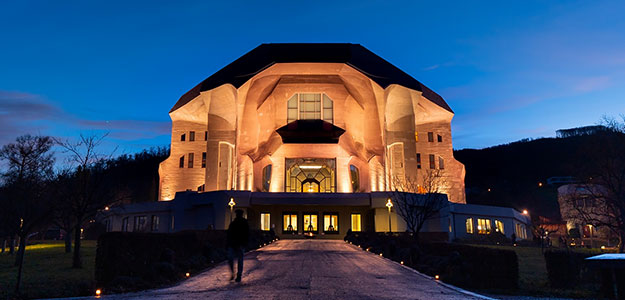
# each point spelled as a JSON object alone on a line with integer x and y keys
{"x": 306, "y": 138}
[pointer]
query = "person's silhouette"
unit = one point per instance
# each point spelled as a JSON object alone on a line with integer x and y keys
{"x": 237, "y": 237}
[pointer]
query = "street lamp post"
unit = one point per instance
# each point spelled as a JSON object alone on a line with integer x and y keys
{"x": 389, "y": 204}
{"x": 231, "y": 204}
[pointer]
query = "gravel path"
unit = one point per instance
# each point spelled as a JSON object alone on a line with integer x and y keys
{"x": 308, "y": 269}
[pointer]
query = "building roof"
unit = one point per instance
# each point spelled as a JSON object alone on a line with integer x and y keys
{"x": 353, "y": 55}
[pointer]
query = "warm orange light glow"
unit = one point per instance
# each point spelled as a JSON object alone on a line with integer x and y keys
{"x": 401, "y": 262}
{"x": 310, "y": 167}
{"x": 437, "y": 277}
{"x": 106, "y": 208}
{"x": 389, "y": 204}
{"x": 380, "y": 254}
{"x": 187, "y": 274}
{"x": 489, "y": 190}
{"x": 540, "y": 184}
{"x": 98, "y": 292}
{"x": 525, "y": 212}
{"x": 602, "y": 247}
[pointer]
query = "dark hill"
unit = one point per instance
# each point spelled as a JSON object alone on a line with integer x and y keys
{"x": 513, "y": 172}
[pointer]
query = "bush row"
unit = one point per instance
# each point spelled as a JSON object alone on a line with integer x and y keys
{"x": 457, "y": 264}
{"x": 130, "y": 261}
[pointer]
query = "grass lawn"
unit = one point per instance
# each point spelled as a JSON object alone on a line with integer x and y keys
{"x": 533, "y": 279}
{"x": 47, "y": 271}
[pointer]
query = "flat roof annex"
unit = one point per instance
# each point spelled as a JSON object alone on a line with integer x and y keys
{"x": 353, "y": 55}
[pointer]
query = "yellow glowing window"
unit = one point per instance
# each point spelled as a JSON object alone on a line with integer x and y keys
{"x": 265, "y": 220}
{"x": 483, "y": 226}
{"x": 356, "y": 225}
{"x": 310, "y": 223}
{"x": 416, "y": 136}
{"x": 331, "y": 223}
{"x": 499, "y": 226}
{"x": 469, "y": 225}
{"x": 290, "y": 222}
{"x": 310, "y": 106}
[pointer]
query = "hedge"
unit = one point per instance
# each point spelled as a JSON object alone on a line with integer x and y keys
{"x": 130, "y": 261}
{"x": 566, "y": 268}
{"x": 457, "y": 264}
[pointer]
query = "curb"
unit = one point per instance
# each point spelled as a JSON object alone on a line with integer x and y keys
{"x": 446, "y": 285}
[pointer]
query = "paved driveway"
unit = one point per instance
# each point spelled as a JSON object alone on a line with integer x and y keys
{"x": 308, "y": 269}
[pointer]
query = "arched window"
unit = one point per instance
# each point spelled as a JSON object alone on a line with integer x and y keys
{"x": 266, "y": 178}
{"x": 355, "y": 176}
{"x": 310, "y": 106}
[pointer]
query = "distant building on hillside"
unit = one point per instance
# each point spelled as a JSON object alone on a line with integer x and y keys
{"x": 577, "y": 201}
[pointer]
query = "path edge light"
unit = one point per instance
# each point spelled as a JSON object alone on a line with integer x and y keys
{"x": 389, "y": 204}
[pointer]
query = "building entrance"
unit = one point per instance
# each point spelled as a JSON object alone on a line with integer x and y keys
{"x": 310, "y": 175}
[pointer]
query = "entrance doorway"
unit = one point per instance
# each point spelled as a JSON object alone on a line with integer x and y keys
{"x": 310, "y": 175}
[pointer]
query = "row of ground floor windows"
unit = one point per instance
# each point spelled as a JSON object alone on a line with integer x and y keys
{"x": 310, "y": 222}
{"x": 484, "y": 227}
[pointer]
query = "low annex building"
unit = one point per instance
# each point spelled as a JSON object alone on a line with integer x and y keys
{"x": 307, "y": 139}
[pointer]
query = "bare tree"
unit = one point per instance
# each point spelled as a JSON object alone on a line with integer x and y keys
{"x": 24, "y": 203}
{"x": 599, "y": 200}
{"x": 417, "y": 201}
{"x": 90, "y": 193}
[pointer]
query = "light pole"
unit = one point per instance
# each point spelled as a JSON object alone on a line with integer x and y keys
{"x": 389, "y": 204}
{"x": 231, "y": 204}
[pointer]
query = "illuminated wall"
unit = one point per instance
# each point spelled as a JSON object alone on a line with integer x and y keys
{"x": 241, "y": 138}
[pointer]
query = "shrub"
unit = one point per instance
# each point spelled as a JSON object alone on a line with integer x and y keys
{"x": 566, "y": 268}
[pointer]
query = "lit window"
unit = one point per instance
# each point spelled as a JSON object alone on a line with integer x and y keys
{"x": 483, "y": 226}
{"x": 190, "y": 161}
{"x": 289, "y": 223}
{"x": 183, "y": 137}
{"x": 203, "y": 159}
{"x": 520, "y": 231}
{"x": 418, "y": 160}
{"x": 355, "y": 176}
{"x": 139, "y": 223}
{"x": 499, "y": 226}
{"x": 432, "y": 162}
{"x": 469, "y": 224}
{"x": 310, "y": 223}
{"x": 441, "y": 163}
{"x": 439, "y": 138}
{"x": 416, "y": 136}
{"x": 331, "y": 223}
{"x": 266, "y": 178}
{"x": 181, "y": 163}
{"x": 431, "y": 137}
{"x": 155, "y": 222}
{"x": 310, "y": 106}
{"x": 265, "y": 220}
{"x": 192, "y": 136}
{"x": 356, "y": 225}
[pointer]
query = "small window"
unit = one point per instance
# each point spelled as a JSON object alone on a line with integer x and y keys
{"x": 432, "y": 162}
{"x": 139, "y": 223}
{"x": 190, "y": 161}
{"x": 173, "y": 219}
{"x": 355, "y": 176}
{"x": 181, "y": 163}
{"x": 206, "y": 135}
{"x": 520, "y": 231}
{"x": 469, "y": 225}
{"x": 265, "y": 220}
{"x": 441, "y": 163}
{"x": 155, "y": 222}
{"x": 483, "y": 226}
{"x": 183, "y": 137}
{"x": 416, "y": 136}
{"x": 356, "y": 223}
{"x": 266, "y": 178}
{"x": 499, "y": 226}
{"x": 125, "y": 224}
{"x": 289, "y": 222}
{"x": 310, "y": 106}
{"x": 418, "y": 160}
{"x": 310, "y": 222}
{"x": 203, "y": 159}
{"x": 191, "y": 136}
{"x": 431, "y": 137}
{"x": 331, "y": 223}
{"x": 439, "y": 138}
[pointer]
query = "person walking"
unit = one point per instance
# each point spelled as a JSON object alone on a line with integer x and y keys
{"x": 237, "y": 238}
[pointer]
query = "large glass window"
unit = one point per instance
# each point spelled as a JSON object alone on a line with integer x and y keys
{"x": 520, "y": 231}
{"x": 289, "y": 222}
{"x": 499, "y": 226}
{"x": 355, "y": 176}
{"x": 140, "y": 223}
{"x": 266, "y": 178}
{"x": 155, "y": 223}
{"x": 356, "y": 222}
{"x": 469, "y": 225}
{"x": 331, "y": 223}
{"x": 483, "y": 226}
{"x": 310, "y": 222}
{"x": 310, "y": 175}
{"x": 265, "y": 220}
{"x": 310, "y": 106}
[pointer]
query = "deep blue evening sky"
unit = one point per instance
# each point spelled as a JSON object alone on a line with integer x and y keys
{"x": 509, "y": 71}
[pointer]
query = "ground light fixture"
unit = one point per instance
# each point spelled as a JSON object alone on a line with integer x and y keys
{"x": 436, "y": 277}
{"x": 401, "y": 262}
{"x": 187, "y": 274}
{"x": 231, "y": 204}
{"x": 98, "y": 292}
{"x": 389, "y": 204}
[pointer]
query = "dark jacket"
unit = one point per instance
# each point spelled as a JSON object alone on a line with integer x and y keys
{"x": 238, "y": 233}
